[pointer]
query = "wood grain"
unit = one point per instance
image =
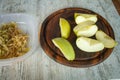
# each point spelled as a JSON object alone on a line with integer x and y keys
{"x": 117, "y": 5}
{"x": 39, "y": 66}
{"x": 50, "y": 29}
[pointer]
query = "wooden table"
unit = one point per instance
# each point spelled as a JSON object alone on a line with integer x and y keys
{"x": 39, "y": 66}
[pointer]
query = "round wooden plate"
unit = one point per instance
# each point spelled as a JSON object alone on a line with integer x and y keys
{"x": 50, "y": 29}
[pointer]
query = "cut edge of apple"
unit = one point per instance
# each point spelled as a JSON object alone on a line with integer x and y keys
{"x": 89, "y": 45}
{"x": 105, "y": 39}
{"x": 81, "y": 17}
{"x": 87, "y": 31}
{"x": 82, "y": 27}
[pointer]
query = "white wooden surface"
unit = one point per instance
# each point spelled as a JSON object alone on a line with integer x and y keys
{"x": 39, "y": 66}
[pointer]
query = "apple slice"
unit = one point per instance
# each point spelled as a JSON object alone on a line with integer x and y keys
{"x": 81, "y": 17}
{"x": 89, "y": 45}
{"x": 86, "y": 29}
{"x": 92, "y": 18}
{"x": 65, "y": 47}
{"x": 105, "y": 39}
{"x": 64, "y": 28}
{"x": 83, "y": 24}
{"x": 75, "y": 15}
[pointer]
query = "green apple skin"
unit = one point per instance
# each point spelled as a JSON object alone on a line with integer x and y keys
{"x": 65, "y": 47}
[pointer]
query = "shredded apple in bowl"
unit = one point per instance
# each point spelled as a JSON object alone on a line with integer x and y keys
{"x": 13, "y": 42}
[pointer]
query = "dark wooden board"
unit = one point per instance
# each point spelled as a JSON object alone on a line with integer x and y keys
{"x": 117, "y": 5}
{"x": 50, "y": 29}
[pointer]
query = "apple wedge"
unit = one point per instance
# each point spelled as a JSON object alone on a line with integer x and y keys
{"x": 65, "y": 47}
{"x": 86, "y": 29}
{"x": 83, "y": 24}
{"x": 64, "y": 28}
{"x": 89, "y": 45}
{"x": 105, "y": 39}
{"x": 75, "y": 15}
{"x": 81, "y": 17}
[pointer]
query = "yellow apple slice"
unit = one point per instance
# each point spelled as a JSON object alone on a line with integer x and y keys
{"x": 105, "y": 39}
{"x": 86, "y": 29}
{"x": 81, "y": 17}
{"x": 89, "y": 45}
{"x": 65, "y": 47}
{"x": 64, "y": 28}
